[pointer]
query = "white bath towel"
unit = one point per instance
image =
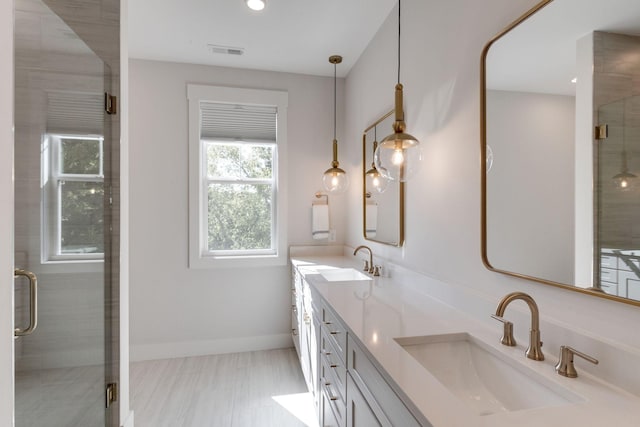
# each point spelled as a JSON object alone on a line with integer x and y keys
{"x": 320, "y": 222}
{"x": 371, "y": 225}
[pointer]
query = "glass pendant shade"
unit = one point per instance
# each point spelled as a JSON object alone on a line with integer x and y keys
{"x": 624, "y": 180}
{"x": 375, "y": 181}
{"x": 399, "y": 155}
{"x": 335, "y": 179}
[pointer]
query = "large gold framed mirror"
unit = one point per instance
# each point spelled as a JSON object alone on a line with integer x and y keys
{"x": 560, "y": 148}
{"x": 382, "y": 199}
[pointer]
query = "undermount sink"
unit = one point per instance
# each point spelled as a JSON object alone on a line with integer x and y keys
{"x": 486, "y": 380}
{"x": 343, "y": 274}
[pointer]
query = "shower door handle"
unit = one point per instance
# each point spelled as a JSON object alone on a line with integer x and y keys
{"x": 33, "y": 302}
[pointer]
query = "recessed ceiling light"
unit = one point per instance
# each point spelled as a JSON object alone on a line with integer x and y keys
{"x": 574, "y": 80}
{"x": 256, "y": 4}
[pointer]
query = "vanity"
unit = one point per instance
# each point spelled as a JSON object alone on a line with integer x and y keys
{"x": 379, "y": 351}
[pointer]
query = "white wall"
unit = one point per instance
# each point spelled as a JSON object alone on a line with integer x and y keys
{"x": 178, "y": 311}
{"x": 530, "y": 219}
{"x": 6, "y": 213}
{"x": 440, "y": 72}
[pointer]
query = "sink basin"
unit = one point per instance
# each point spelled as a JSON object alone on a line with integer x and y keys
{"x": 484, "y": 379}
{"x": 343, "y": 274}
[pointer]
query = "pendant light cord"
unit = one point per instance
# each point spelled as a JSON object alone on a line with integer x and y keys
{"x": 399, "y": 40}
{"x": 334, "y": 101}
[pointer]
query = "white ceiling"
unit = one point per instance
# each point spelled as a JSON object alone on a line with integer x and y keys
{"x": 295, "y": 36}
{"x": 540, "y": 54}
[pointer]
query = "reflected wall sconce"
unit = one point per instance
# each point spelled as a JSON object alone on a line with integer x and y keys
{"x": 335, "y": 180}
{"x": 256, "y": 4}
{"x": 398, "y": 156}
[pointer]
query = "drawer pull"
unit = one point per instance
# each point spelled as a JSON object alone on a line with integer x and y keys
{"x": 326, "y": 322}
{"x": 333, "y": 365}
{"x": 294, "y": 332}
{"x": 329, "y": 395}
{"x": 334, "y": 332}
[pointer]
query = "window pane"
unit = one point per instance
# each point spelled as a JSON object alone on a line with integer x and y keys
{"x": 81, "y": 217}
{"x": 239, "y": 161}
{"x": 239, "y": 216}
{"x": 80, "y": 156}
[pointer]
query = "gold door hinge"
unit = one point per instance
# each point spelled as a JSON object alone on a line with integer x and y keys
{"x": 602, "y": 131}
{"x": 110, "y": 103}
{"x": 112, "y": 394}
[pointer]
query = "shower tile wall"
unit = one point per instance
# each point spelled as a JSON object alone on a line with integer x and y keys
{"x": 616, "y": 102}
{"x": 50, "y": 57}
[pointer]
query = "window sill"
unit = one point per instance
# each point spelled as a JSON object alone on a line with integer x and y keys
{"x": 244, "y": 261}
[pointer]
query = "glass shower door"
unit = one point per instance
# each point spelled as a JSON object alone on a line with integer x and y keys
{"x": 618, "y": 205}
{"x": 63, "y": 219}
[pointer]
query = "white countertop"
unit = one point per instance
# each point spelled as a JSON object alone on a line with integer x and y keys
{"x": 377, "y": 311}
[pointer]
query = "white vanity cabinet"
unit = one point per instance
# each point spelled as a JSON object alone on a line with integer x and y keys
{"x": 333, "y": 368}
{"x": 348, "y": 389}
{"x": 296, "y": 307}
{"x": 370, "y": 396}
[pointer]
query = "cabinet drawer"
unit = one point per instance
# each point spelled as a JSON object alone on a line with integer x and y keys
{"x": 609, "y": 261}
{"x": 363, "y": 371}
{"x": 328, "y": 419}
{"x": 333, "y": 369}
{"x": 608, "y": 275}
{"x": 336, "y": 332}
{"x": 333, "y": 403}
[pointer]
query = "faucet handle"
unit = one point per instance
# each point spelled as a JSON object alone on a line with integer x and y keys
{"x": 507, "y": 333}
{"x": 565, "y": 364}
{"x": 377, "y": 269}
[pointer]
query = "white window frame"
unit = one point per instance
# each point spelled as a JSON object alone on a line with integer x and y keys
{"x": 199, "y": 254}
{"x": 52, "y": 177}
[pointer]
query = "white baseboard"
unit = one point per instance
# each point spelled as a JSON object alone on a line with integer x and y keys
{"x": 129, "y": 421}
{"x": 140, "y": 352}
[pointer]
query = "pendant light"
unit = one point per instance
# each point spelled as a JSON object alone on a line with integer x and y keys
{"x": 335, "y": 180}
{"x": 374, "y": 179}
{"x": 398, "y": 156}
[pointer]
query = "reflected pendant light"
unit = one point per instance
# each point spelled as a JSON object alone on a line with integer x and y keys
{"x": 623, "y": 179}
{"x": 374, "y": 179}
{"x": 335, "y": 180}
{"x": 398, "y": 156}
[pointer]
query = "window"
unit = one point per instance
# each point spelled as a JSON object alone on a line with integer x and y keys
{"x": 73, "y": 192}
{"x": 237, "y": 149}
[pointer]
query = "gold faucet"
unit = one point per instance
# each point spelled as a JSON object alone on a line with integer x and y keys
{"x": 535, "y": 345}
{"x": 368, "y": 266}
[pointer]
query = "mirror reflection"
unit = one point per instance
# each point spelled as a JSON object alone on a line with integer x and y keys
{"x": 383, "y": 200}
{"x": 562, "y": 202}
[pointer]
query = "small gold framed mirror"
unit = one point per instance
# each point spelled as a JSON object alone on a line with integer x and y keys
{"x": 382, "y": 199}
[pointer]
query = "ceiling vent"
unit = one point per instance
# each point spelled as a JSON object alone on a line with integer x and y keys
{"x": 226, "y": 50}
